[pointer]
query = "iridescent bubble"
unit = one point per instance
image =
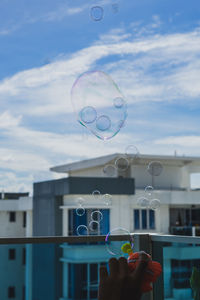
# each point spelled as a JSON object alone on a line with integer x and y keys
{"x": 80, "y": 211}
{"x": 93, "y": 94}
{"x": 122, "y": 163}
{"x": 97, "y": 215}
{"x": 80, "y": 201}
{"x": 103, "y": 123}
{"x": 143, "y": 202}
{"x": 115, "y": 247}
{"x": 154, "y": 204}
{"x": 96, "y": 13}
{"x": 110, "y": 170}
{"x": 132, "y": 152}
{"x": 94, "y": 226}
{"x": 88, "y": 114}
{"x": 107, "y": 198}
{"x": 149, "y": 190}
{"x": 96, "y": 194}
{"x": 82, "y": 230}
{"x": 155, "y": 168}
{"x": 119, "y": 102}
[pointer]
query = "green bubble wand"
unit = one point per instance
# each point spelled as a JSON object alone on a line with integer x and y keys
{"x": 195, "y": 283}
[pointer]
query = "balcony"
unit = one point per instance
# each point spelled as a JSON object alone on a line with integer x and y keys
{"x": 66, "y": 268}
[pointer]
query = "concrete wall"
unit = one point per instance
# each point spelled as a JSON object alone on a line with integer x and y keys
{"x": 11, "y": 229}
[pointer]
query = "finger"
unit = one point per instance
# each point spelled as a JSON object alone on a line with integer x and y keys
{"x": 143, "y": 256}
{"x": 113, "y": 267}
{"x": 123, "y": 267}
{"x": 139, "y": 271}
{"x": 103, "y": 273}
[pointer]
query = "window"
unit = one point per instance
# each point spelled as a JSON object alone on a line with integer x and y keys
{"x": 24, "y": 218}
{"x": 11, "y": 254}
{"x": 83, "y": 280}
{"x": 23, "y": 256}
{"x": 144, "y": 219}
{"x": 11, "y": 292}
{"x": 75, "y": 220}
{"x": 12, "y": 216}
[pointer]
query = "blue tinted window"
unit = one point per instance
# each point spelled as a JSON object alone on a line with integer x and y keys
{"x": 136, "y": 219}
{"x": 144, "y": 219}
{"x": 151, "y": 219}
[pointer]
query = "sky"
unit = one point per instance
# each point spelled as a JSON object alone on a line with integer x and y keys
{"x": 150, "y": 49}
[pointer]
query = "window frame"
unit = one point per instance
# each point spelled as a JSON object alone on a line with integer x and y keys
{"x": 141, "y": 214}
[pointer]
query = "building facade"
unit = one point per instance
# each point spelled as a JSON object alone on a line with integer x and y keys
{"x": 15, "y": 220}
{"x": 55, "y": 206}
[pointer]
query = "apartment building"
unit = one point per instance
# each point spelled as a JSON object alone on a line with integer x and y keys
{"x": 15, "y": 221}
{"x": 54, "y": 213}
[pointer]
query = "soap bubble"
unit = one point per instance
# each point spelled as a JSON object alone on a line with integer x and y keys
{"x": 143, "y": 202}
{"x": 155, "y": 168}
{"x": 80, "y": 211}
{"x": 132, "y": 152}
{"x": 107, "y": 199}
{"x": 149, "y": 190}
{"x": 103, "y": 123}
{"x": 93, "y": 97}
{"x": 114, "y": 247}
{"x": 110, "y": 170}
{"x": 119, "y": 102}
{"x": 88, "y": 114}
{"x": 96, "y": 194}
{"x": 94, "y": 226}
{"x": 154, "y": 204}
{"x": 80, "y": 201}
{"x": 122, "y": 163}
{"x": 97, "y": 215}
{"x": 115, "y": 7}
{"x": 82, "y": 230}
{"x": 96, "y": 13}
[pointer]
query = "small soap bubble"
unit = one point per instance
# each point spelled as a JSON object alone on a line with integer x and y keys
{"x": 103, "y": 123}
{"x": 96, "y": 13}
{"x": 97, "y": 215}
{"x": 88, "y": 114}
{"x": 80, "y": 211}
{"x": 82, "y": 230}
{"x": 92, "y": 97}
{"x": 119, "y": 102}
{"x": 154, "y": 204}
{"x": 96, "y": 194}
{"x": 115, "y": 247}
{"x": 132, "y": 152}
{"x": 149, "y": 190}
{"x": 94, "y": 226}
{"x": 155, "y": 168}
{"x": 115, "y": 7}
{"x": 143, "y": 202}
{"x": 107, "y": 198}
{"x": 110, "y": 170}
{"x": 122, "y": 163}
{"x": 80, "y": 201}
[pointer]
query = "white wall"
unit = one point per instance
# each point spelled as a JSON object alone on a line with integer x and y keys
{"x": 11, "y": 229}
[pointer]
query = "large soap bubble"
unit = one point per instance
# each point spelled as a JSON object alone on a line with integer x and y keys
{"x": 99, "y": 104}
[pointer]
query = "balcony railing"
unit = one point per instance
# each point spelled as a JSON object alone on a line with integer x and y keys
{"x": 61, "y": 265}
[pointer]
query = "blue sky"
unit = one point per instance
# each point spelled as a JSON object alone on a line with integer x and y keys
{"x": 150, "y": 48}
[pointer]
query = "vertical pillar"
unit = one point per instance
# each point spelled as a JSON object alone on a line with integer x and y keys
{"x": 142, "y": 242}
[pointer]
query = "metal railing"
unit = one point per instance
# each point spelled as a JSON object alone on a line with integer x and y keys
{"x": 146, "y": 242}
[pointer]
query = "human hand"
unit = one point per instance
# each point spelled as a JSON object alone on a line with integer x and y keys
{"x": 121, "y": 283}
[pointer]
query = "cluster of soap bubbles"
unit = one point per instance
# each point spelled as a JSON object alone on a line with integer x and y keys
{"x": 115, "y": 247}
{"x": 122, "y": 162}
{"x": 154, "y": 168}
{"x": 96, "y": 215}
{"x": 99, "y": 104}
